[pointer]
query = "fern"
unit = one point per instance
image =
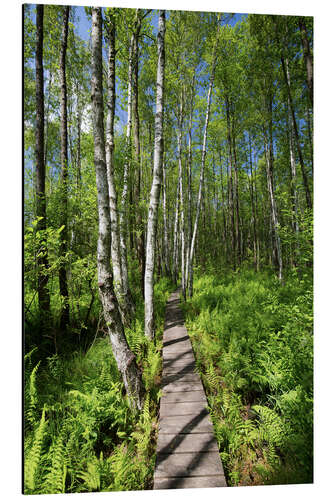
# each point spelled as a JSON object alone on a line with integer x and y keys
{"x": 31, "y": 395}
{"x": 56, "y": 476}
{"x": 33, "y": 458}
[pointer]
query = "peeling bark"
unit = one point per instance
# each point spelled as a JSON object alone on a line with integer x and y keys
{"x": 124, "y": 357}
{"x": 42, "y": 258}
{"x": 156, "y": 184}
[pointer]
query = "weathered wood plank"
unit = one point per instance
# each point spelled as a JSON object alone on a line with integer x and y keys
{"x": 186, "y": 424}
{"x": 188, "y": 464}
{"x": 186, "y": 443}
{"x": 189, "y": 408}
{"x": 182, "y": 387}
{"x": 169, "y": 483}
{"x": 181, "y": 377}
{"x": 183, "y": 397}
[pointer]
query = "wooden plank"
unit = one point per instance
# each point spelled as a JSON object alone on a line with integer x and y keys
{"x": 169, "y": 483}
{"x": 185, "y": 443}
{"x": 173, "y": 359}
{"x": 187, "y": 408}
{"x": 181, "y": 378}
{"x": 183, "y": 397}
{"x": 182, "y": 387}
{"x": 186, "y": 424}
{"x": 188, "y": 464}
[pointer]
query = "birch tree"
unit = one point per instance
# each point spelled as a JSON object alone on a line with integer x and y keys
{"x": 125, "y": 359}
{"x": 203, "y": 158}
{"x": 42, "y": 259}
{"x": 64, "y": 319}
{"x": 111, "y": 104}
{"x": 156, "y": 184}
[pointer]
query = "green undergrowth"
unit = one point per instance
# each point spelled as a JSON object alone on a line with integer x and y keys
{"x": 253, "y": 339}
{"x": 80, "y": 432}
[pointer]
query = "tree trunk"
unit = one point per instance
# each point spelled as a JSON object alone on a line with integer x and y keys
{"x": 231, "y": 186}
{"x": 140, "y": 230}
{"x": 203, "y": 158}
{"x": 270, "y": 186}
{"x": 130, "y": 308}
{"x": 307, "y": 57}
{"x": 115, "y": 238}
{"x": 63, "y": 286}
{"x": 238, "y": 230}
{"x": 254, "y": 216}
{"x": 42, "y": 257}
{"x": 123, "y": 355}
{"x": 189, "y": 183}
{"x": 165, "y": 225}
{"x": 156, "y": 184}
{"x": 175, "y": 240}
{"x": 299, "y": 150}
{"x": 181, "y": 193}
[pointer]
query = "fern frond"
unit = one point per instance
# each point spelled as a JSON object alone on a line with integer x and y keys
{"x": 33, "y": 458}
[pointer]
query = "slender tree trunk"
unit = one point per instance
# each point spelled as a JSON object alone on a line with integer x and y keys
{"x": 225, "y": 229}
{"x": 231, "y": 187}
{"x": 189, "y": 183}
{"x": 175, "y": 240}
{"x": 270, "y": 186}
{"x": 203, "y": 158}
{"x": 307, "y": 57}
{"x": 78, "y": 144}
{"x": 64, "y": 318}
{"x": 299, "y": 150}
{"x": 254, "y": 217}
{"x": 42, "y": 256}
{"x": 123, "y": 355}
{"x": 140, "y": 230}
{"x": 47, "y": 120}
{"x": 181, "y": 193}
{"x": 238, "y": 230}
{"x": 115, "y": 238}
{"x": 165, "y": 225}
{"x": 156, "y": 184}
{"x": 130, "y": 308}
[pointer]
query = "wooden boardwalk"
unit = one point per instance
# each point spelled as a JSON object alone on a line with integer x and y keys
{"x": 187, "y": 452}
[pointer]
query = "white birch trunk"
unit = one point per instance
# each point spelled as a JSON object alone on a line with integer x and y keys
{"x": 165, "y": 225}
{"x": 115, "y": 237}
{"x": 274, "y": 217}
{"x": 156, "y": 184}
{"x": 181, "y": 195}
{"x": 189, "y": 185}
{"x": 122, "y": 220}
{"x": 175, "y": 240}
{"x": 123, "y": 355}
{"x": 203, "y": 158}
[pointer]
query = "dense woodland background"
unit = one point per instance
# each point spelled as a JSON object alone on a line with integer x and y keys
{"x": 166, "y": 149}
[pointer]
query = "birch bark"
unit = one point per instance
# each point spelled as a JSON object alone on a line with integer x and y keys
{"x": 156, "y": 184}
{"x": 64, "y": 319}
{"x": 42, "y": 259}
{"x": 203, "y": 158}
{"x": 115, "y": 239}
{"x": 123, "y": 355}
{"x": 123, "y": 226}
{"x": 299, "y": 150}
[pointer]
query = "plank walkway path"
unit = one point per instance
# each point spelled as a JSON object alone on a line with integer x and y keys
{"x": 187, "y": 453}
